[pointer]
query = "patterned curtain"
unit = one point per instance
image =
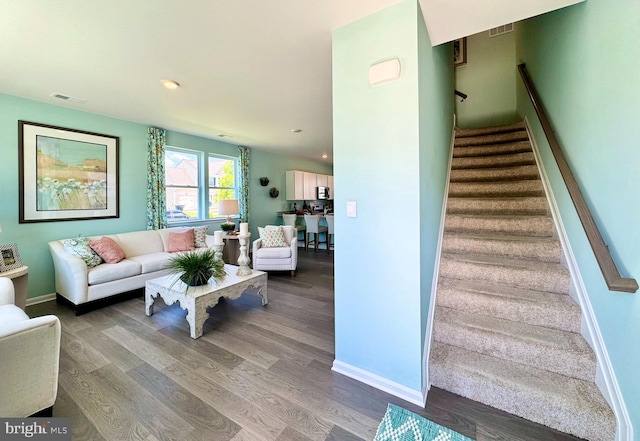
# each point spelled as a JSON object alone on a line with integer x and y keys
{"x": 156, "y": 195}
{"x": 244, "y": 183}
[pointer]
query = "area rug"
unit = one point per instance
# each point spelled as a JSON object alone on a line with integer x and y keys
{"x": 399, "y": 424}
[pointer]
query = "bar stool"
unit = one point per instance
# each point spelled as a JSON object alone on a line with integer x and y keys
{"x": 314, "y": 228}
{"x": 290, "y": 219}
{"x": 329, "y": 218}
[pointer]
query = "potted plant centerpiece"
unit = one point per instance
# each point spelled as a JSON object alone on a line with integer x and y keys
{"x": 195, "y": 268}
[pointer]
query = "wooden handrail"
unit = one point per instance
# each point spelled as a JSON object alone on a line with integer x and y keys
{"x": 461, "y": 95}
{"x": 608, "y": 267}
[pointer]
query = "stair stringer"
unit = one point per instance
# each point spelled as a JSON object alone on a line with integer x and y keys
{"x": 605, "y": 376}
{"x": 429, "y": 334}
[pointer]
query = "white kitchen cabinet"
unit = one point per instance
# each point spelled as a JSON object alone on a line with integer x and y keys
{"x": 310, "y": 185}
{"x": 322, "y": 181}
{"x": 294, "y": 181}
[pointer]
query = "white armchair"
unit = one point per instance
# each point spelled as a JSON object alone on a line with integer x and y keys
{"x": 277, "y": 258}
{"x": 29, "y": 359}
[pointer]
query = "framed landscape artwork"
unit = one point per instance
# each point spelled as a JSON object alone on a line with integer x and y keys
{"x": 460, "y": 51}
{"x": 66, "y": 174}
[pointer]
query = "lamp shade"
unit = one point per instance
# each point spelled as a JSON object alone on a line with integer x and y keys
{"x": 228, "y": 207}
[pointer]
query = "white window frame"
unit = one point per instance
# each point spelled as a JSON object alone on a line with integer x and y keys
{"x": 203, "y": 187}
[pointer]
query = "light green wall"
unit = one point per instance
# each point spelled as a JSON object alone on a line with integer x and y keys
{"x": 263, "y": 206}
{"x": 32, "y": 238}
{"x": 382, "y": 139}
{"x": 584, "y": 61}
{"x": 489, "y": 78}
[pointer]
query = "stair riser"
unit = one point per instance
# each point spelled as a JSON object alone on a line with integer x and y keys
{"x": 520, "y": 310}
{"x": 516, "y": 173}
{"x": 542, "y": 251}
{"x": 549, "y": 281}
{"x": 516, "y": 159}
{"x": 509, "y": 399}
{"x": 505, "y": 347}
{"x": 497, "y": 138}
{"x": 461, "y": 133}
{"x": 496, "y": 189}
{"x": 489, "y": 150}
{"x": 531, "y": 226}
{"x": 497, "y": 206}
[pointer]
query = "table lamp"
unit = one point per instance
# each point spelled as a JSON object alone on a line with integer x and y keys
{"x": 228, "y": 207}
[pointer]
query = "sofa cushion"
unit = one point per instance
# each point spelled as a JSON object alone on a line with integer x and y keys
{"x": 201, "y": 235}
{"x": 182, "y": 240}
{"x": 108, "y": 273}
{"x": 108, "y": 249}
{"x": 272, "y": 237}
{"x": 80, "y": 247}
{"x": 138, "y": 243}
{"x": 274, "y": 253}
{"x": 12, "y": 314}
{"x": 152, "y": 262}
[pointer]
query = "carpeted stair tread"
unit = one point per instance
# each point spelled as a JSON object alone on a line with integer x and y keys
{"x": 514, "y": 159}
{"x": 514, "y": 173}
{"x": 513, "y": 225}
{"x": 492, "y": 149}
{"x": 529, "y": 205}
{"x": 553, "y": 350}
{"x": 542, "y": 249}
{"x": 557, "y": 311}
{"x": 461, "y": 133}
{"x": 496, "y": 189}
{"x": 496, "y": 138}
{"x": 528, "y": 274}
{"x": 564, "y": 403}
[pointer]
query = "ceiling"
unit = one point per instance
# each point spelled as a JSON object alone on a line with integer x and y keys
{"x": 252, "y": 70}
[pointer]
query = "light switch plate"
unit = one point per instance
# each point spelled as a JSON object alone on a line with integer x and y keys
{"x": 352, "y": 209}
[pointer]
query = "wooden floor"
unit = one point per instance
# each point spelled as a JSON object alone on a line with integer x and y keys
{"x": 257, "y": 373}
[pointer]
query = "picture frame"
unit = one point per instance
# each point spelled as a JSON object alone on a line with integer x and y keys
{"x": 460, "y": 52}
{"x": 66, "y": 174}
{"x": 9, "y": 257}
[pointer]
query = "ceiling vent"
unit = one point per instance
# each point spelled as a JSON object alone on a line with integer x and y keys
{"x": 501, "y": 30}
{"x": 68, "y": 98}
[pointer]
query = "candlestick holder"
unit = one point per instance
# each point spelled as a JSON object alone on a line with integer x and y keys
{"x": 217, "y": 249}
{"x": 243, "y": 259}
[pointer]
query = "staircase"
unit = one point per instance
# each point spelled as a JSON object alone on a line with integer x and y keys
{"x": 506, "y": 332}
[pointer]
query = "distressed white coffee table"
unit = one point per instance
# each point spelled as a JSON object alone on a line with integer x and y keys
{"x": 196, "y": 299}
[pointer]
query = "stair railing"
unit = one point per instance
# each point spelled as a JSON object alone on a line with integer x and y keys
{"x": 463, "y": 96}
{"x": 608, "y": 267}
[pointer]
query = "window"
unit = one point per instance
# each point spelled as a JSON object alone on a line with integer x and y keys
{"x": 222, "y": 181}
{"x": 189, "y": 186}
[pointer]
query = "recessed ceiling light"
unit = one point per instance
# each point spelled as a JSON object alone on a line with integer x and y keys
{"x": 170, "y": 84}
{"x": 296, "y": 130}
{"x": 324, "y": 156}
{"x": 224, "y": 135}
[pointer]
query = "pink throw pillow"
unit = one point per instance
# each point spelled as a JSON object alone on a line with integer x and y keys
{"x": 108, "y": 249}
{"x": 182, "y": 241}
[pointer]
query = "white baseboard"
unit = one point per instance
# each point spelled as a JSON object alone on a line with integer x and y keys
{"x": 384, "y": 384}
{"x": 41, "y": 299}
{"x": 605, "y": 376}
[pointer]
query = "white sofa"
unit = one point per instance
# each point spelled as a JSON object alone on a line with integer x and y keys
{"x": 29, "y": 359}
{"x": 277, "y": 258}
{"x": 83, "y": 287}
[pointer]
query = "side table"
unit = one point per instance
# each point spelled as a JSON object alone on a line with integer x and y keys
{"x": 231, "y": 250}
{"x": 20, "y": 278}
